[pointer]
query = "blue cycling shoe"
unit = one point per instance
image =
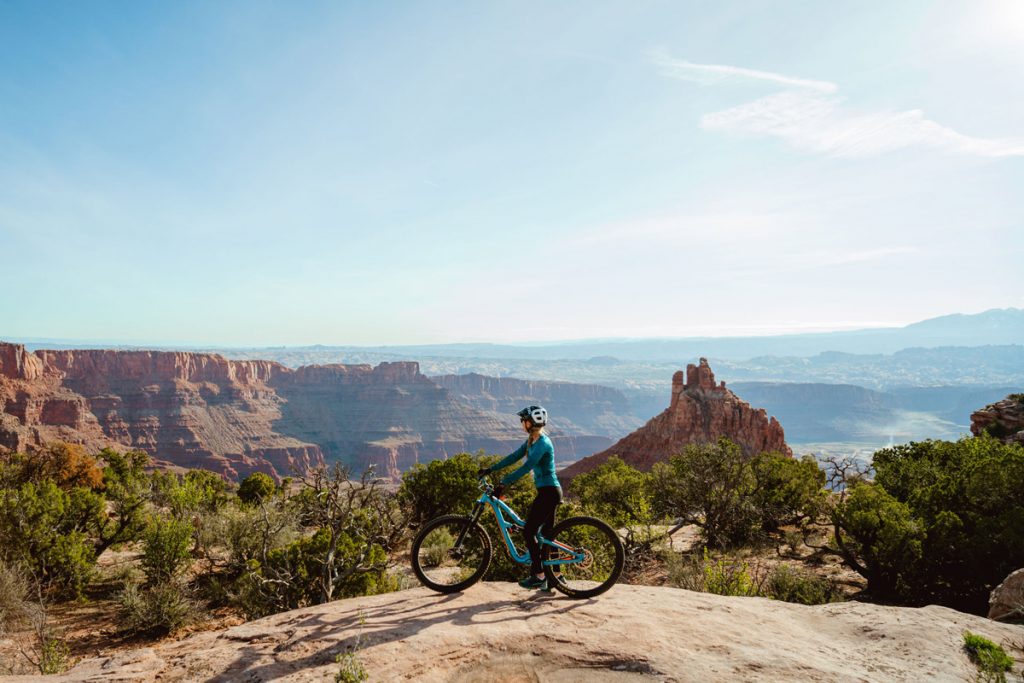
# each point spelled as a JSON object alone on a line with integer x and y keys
{"x": 533, "y": 582}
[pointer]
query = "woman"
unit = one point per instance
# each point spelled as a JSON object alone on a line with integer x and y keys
{"x": 540, "y": 456}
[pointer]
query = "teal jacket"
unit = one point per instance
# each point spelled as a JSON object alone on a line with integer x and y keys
{"x": 541, "y": 458}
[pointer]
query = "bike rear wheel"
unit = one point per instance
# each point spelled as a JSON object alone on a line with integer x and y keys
{"x": 442, "y": 567}
{"x": 602, "y": 557}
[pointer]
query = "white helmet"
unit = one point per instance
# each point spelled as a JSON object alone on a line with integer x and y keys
{"x": 535, "y": 414}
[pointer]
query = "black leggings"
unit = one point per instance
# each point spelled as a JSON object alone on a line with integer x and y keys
{"x": 542, "y": 514}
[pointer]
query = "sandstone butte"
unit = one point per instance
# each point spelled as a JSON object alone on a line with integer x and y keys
{"x": 700, "y": 411}
{"x": 237, "y": 416}
{"x": 498, "y": 632}
{"x": 1002, "y": 419}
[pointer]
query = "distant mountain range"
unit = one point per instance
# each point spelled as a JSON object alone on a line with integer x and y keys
{"x": 995, "y": 327}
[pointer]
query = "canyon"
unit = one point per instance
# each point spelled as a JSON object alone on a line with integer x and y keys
{"x": 234, "y": 417}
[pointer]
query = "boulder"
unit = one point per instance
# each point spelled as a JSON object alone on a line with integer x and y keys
{"x": 1007, "y": 600}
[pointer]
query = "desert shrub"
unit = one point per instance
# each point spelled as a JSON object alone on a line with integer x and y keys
{"x": 54, "y": 654}
{"x": 735, "y": 499}
{"x": 729, "y": 577}
{"x": 350, "y": 668}
{"x": 126, "y": 488}
{"x": 44, "y": 529}
{"x": 162, "y": 607}
{"x": 249, "y": 533}
{"x": 620, "y": 495}
{"x": 23, "y": 606}
{"x": 433, "y": 554}
{"x": 292, "y": 577}
{"x": 167, "y": 546}
{"x": 786, "y": 490}
{"x": 15, "y": 603}
{"x": 712, "y": 486}
{"x": 615, "y": 492}
{"x": 441, "y": 487}
{"x": 195, "y": 493}
{"x": 723, "y": 575}
{"x": 943, "y": 521}
{"x": 357, "y": 524}
{"x": 794, "y": 585}
{"x": 66, "y": 465}
{"x": 257, "y": 487}
{"x": 990, "y": 658}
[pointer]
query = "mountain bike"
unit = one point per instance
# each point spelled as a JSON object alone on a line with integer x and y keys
{"x": 452, "y": 552}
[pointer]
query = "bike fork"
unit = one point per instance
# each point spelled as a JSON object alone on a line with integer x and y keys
{"x": 477, "y": 511}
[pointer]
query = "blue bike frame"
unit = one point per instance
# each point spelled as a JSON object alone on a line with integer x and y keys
{"x": 566, "y": 555}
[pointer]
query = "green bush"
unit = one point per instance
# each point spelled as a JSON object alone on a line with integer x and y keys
{"x": 45, "y": 529}
{"x": 436, "y": 552}
{"x": 712, "y": 486}
{"x": 245, "y": 532}
{"x": 990, "y": 658}
{"x": 161, "y": 608}
{"x": 793, "y": 585}
{"x": 54, "y": 654}
{"x": 734, "y": 498}
{"x": 441, "y": 487}
{"x": 291, "y": 577}
{"x": 615, "y": 492}
{"x": 126, "y": 488}
{"x": 786, "y": 490}
{"x": 942, "y": 523}
{"x": 704, "y": 574}
{"x": 257, "y": 487}
{"x": 728, "y": 578}
{"x": 167, "y": 548}
{"x": 195, "y": 493}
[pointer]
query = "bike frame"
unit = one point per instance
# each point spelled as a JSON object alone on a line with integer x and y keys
{"x": 567, "y": 554}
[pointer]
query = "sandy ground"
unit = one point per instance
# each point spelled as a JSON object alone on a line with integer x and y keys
{"x": 498, "y": 632}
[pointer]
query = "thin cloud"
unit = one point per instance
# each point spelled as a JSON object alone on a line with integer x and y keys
{"x": 822, "y": 125}
{"x": 809, "y": 117}
{"x": 712, "y": 74}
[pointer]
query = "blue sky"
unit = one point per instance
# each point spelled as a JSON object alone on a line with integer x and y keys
{"x": 360, "y": 173}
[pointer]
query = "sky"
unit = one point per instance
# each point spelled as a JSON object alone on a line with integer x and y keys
{"x": 281, "y": 173}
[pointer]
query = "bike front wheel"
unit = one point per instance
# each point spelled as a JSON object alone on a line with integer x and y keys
{"x": 588, "y": 557}
{"x": 451, "y": 553}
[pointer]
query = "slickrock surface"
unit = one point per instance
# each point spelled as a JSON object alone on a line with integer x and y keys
{"x": 201, "y": 410}
{"x": 498, "y": 632}
{"x": 1002, "y": 419}
{"x": 700, "y": 411}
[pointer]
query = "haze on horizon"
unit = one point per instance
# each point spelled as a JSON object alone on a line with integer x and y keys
{"x": 255, "y": 173}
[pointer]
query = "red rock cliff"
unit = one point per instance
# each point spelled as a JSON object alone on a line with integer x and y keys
{"x": 700, "y": 411}
{"x": 189, "y": 409}
{"x": 1002, "y": 419}
{"x": 235, "y": 417}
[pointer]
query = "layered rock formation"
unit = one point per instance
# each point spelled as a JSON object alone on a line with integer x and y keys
{"x": 497, "y": 632}
{"x": 235, "y": 417}
{"x": 700, "y": 411}
{"x": 193, "y": 410}
{"x": 1002, "y": 419}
